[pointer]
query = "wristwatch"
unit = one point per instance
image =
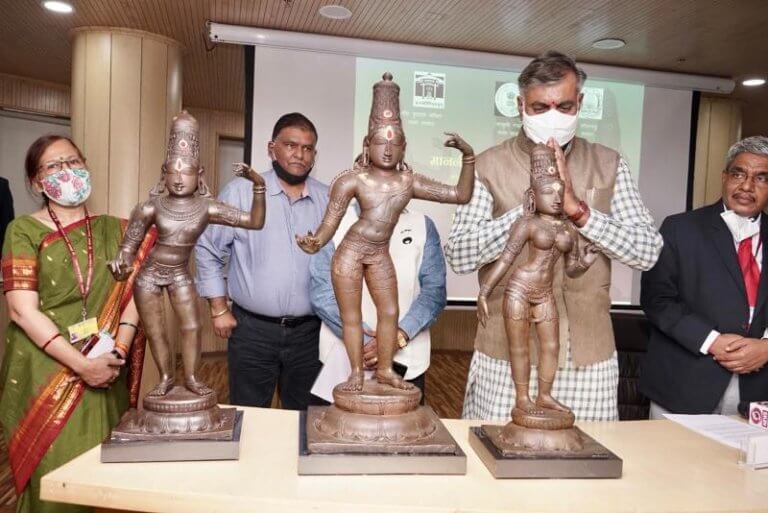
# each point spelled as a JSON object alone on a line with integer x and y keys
{"x": 402, "y": 339}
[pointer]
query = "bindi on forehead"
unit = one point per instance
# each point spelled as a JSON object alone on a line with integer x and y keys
{"x": 179, "y": 165}
{"x": 388, "y": 134}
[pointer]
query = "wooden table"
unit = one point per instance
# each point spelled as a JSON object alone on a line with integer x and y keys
{"x": 666, "y": 468}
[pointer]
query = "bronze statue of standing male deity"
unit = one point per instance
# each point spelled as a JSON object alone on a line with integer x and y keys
{"x": 383, "y": 184}
{"x": 381, "y": 415}
{"x": 180, "y": 208}
{"x": 529, "y": 299}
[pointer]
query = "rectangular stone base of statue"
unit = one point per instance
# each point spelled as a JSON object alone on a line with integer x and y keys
{"x": 119, "y": 451}
{"x": 338, "y": 458}
{"x": 593, "y": 462}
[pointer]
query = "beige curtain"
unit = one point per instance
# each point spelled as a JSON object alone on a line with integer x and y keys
{"x": 719, "y": 126}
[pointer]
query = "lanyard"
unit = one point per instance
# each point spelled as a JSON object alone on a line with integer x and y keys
{"x": 84, "y": 285}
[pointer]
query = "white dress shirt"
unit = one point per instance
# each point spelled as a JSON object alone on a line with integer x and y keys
{"x": 740, "y": 228}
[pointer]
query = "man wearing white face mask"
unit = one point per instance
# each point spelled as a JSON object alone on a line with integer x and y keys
{"x": 706, "y": 297}
{"x": 602, "y": 201}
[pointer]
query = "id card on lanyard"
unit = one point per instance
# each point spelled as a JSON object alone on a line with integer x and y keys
{"x": 89, "y": 325}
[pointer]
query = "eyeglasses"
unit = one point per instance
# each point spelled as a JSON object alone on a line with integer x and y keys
{"x": 738, "y": 176}
{"x": 54, "y": 166}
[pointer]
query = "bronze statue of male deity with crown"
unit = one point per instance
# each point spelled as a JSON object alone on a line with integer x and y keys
{"x": 543, "y": 424}
{"x": 180, "y": 208}
{"x": 383, "y": 184}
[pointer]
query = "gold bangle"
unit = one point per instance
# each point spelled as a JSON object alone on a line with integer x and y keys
{"x": 259, "y": 189}
{"x": 402, "y": 339}
{"x": 219, "y": 314}
{"x": 123, "y": 347}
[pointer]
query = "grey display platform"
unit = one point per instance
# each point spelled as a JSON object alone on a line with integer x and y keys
{"x": 116, "y": 451}
{"x": 593, "y": 462}
{"x": 378, "y": 463}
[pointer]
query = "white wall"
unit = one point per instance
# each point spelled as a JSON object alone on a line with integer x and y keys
{"x": 322, "y": 87}
{"x": 664, "y": 161}
{"x": 17, "y": 133}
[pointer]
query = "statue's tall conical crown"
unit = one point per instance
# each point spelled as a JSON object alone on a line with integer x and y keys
{"x": 543, "y": 165}
{"x": 184, "y": 139}
{"x": 385, "y": 107}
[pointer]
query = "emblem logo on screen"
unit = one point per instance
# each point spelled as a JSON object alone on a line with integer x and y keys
{"x": 592, "y": 103}
{"x": 429, "y": 90}
{"x": 506, "y": 99}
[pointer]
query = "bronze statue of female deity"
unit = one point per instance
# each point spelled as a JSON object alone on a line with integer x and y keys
{"x": 383, "y": 184}
{"x": 180, "y": 217}
{"x": 528, "y": 297}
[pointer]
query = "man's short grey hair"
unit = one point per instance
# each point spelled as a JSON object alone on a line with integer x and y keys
{"x": 549, "y": 68}
{"x": 757, "y": 145}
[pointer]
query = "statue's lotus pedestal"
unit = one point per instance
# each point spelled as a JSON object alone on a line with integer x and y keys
{"x": 179, "y": 426}
{"x": 545, "y": 445}
{"x": 381, "y": 430}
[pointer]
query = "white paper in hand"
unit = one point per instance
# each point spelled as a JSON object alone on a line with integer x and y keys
{"x": 105, "y": 344}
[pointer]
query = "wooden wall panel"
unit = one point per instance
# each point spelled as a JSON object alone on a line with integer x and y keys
{"x": 95, "y": 141}
{"x": 35, "y": 96}
{"x": 78, "y": 91}
{"x": 702, "y": 150}
{"x": 125, "y": 124}
{"x": 719, "y": 126}
{"x": 454, "y": 330}
{"x": 153, "y": 109}
{"x": 755, "y": 112}
{"x": 127, "y": 84}
{"x": 215, "y": 124}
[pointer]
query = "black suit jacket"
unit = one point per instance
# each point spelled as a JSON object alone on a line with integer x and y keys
{"x": 697, "y": 286}
{"x": 6, "y": 208}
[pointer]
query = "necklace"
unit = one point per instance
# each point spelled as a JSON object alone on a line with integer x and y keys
{"x": 190, "y": 212}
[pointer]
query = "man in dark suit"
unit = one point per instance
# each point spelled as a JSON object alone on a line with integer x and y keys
{"x": 707, "y": 298}
{"x": 6, "y": 207}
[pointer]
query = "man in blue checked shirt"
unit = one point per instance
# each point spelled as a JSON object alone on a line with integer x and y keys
{"x": 418, "y": 258}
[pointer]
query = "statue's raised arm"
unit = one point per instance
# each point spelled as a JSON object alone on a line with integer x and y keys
{"x": 431, "y": 190}
{"x": 221, "y": 213}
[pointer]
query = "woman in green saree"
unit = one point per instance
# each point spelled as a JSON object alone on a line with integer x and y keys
{"x": 56, "y": 400}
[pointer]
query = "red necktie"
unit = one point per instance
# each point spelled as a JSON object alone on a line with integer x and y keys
{"x": 749, "y": 270}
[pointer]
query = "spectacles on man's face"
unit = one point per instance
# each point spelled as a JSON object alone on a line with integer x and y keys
{"x": 739, "y": 176}
{"x": 54, "y": 166}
